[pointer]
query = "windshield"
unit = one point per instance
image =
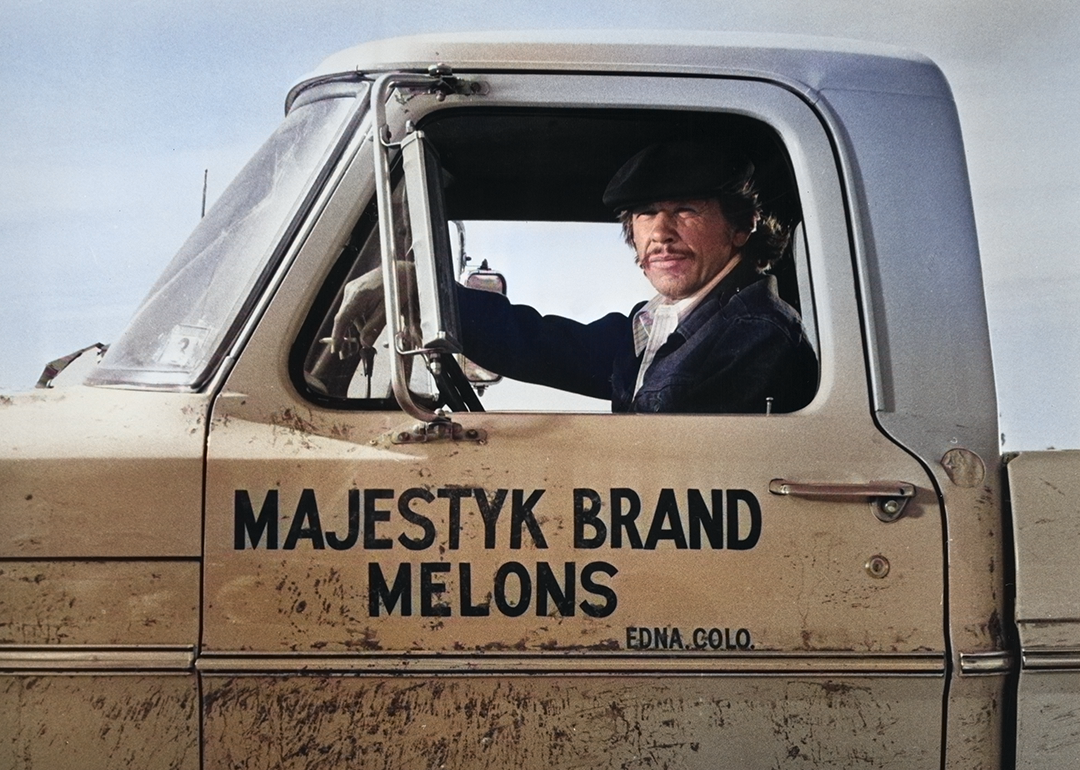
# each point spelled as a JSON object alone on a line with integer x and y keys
{"x": 185, "y": 324}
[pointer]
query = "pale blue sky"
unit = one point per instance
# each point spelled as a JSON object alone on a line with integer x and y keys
{"x": 113, "y": 109}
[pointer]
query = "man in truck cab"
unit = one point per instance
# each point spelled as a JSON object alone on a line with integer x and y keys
{"x": 716, "y": 338}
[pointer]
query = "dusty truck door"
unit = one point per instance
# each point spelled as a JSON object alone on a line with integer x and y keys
{"x": 559, "y": 588}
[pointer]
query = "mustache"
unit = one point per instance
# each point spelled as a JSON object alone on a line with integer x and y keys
{"x": 643, "y": 260}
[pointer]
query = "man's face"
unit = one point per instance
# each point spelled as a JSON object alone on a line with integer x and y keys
{"x": 682, "y": 245}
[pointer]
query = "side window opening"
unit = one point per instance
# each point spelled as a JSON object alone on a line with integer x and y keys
{"x": 552, "y": 266}
{"x": 528, "y": 185}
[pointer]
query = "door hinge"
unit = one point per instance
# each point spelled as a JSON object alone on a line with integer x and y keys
{"x": 439, "y": 430}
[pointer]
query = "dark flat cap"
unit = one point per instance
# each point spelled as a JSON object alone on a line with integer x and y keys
{"x": 677, "y": 171}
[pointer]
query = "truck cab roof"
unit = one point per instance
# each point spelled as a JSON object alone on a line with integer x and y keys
{"x": 806, "y": 64}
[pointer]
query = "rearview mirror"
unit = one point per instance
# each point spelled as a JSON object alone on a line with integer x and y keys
{"x": 484, "y": 279}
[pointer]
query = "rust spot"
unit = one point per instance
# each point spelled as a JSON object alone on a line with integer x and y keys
{"x": 368, "y": 641}
{"x": 836, "y": 688}
{"x": 604, "y": 645}
{"x": 502, "y": 646}
{"x": 293, "y": 421}
{"x": 997, "y": 633}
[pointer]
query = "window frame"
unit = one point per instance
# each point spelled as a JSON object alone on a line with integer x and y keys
{"x": 780, "y": 118}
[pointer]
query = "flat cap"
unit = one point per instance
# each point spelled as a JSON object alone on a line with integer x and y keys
{"x": 677, "y": 171}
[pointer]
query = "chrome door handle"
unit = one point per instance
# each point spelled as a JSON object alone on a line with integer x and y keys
{"x": 888, "y": 497}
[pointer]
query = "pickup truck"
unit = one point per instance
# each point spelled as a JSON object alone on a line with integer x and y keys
{"x": 228, "y": 544}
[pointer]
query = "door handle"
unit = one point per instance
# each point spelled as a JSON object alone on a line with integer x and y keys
{"x": 888, "y": 498}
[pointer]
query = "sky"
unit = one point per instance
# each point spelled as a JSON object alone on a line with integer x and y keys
{"x": 114, "y": 109}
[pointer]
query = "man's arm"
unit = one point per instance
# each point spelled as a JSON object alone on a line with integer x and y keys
{"x": 518, "y": 342}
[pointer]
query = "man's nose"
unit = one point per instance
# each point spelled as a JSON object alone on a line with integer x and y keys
{"x": 663, "y": 227}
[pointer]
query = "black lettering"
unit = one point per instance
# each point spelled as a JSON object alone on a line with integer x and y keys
{"x": 373, "y": 516}
{"x": 667, "y": 510}
{"x": 245, "y": 523}
{"x": 524, "y": 589}
{"x": 734, "y": 542}
{"x": 381, "y": 594}
{"x": 305, "y": 523}
{"x": 624, "y": 521}
{"x": 587, "y": 514}
{"x": 455, "y": 494}
{"x": 521, "y": 513}
{"x": 699, "y": 637}
{"x": 353, "y": 534}
{"x": 631, "y": 638}
{"x": 490, "y": 510}
{"x": 468, "y": 609}
{"x": 611, "y": 601}
{"x": 660, "y": 638}
{"x": 701, "y": 518}
{"x": 742, "y": 639}
{"x": 429, "y": 590}
{"x": 676, "y": 639}
{"x": 411, "y": 516}
{"x": 547, "y": 586}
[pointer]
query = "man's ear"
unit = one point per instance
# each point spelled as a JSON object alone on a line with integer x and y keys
{"x": 740, "y": 238}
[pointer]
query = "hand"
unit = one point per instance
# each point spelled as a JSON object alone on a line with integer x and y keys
{"x": 362, "y": 315}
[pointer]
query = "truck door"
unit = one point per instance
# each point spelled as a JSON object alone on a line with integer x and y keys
{"x": 542, "y": 584}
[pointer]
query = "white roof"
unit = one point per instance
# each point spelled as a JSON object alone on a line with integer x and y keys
{"x": 805, "y": 63}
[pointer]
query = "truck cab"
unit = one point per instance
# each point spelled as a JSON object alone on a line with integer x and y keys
{"x": 233, "y": 545}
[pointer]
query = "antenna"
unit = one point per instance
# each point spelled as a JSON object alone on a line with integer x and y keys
{"x": 205, "y": 174}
